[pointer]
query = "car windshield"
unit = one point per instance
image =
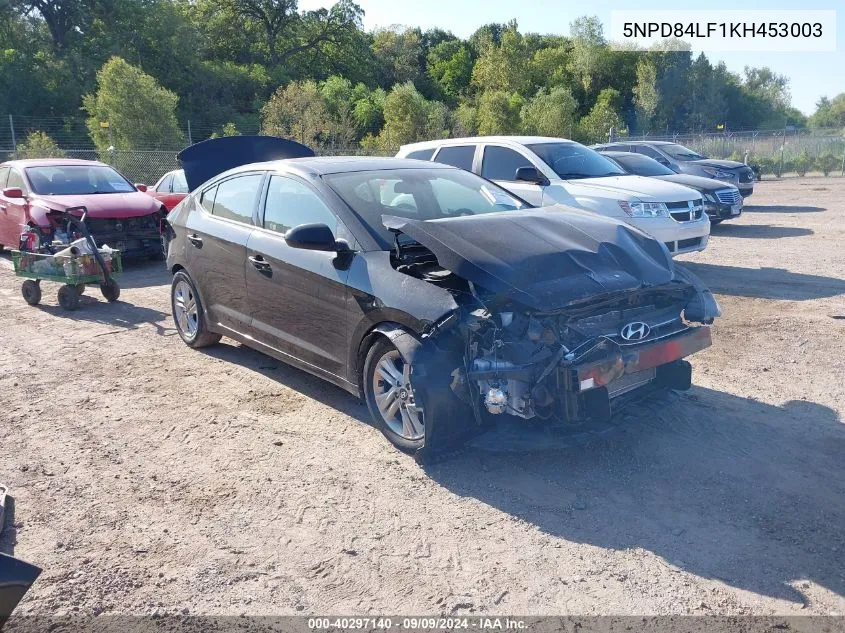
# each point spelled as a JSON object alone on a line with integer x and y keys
{"x": 679, "y": 152}
{"x": 641, "y": 165}
{"x": 572, "y": 160}
{"x": 68, "y": 180}
{"x": 419, "y": 194}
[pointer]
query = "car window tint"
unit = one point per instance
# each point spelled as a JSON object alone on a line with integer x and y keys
{"x": 4, "y": 174}
{"x": 459, "y": 156}
{"x": 164, "y": 186}
{"x": 235, "y": 199}
{"x": 648, "y": 151}
{"x": 501, "y": 163}
{"x": 15, "y": 180}
{"x": 291, "y": 203}
{"x": 393, "y": 199}
{"x": 207, "y": 200}
{"x": 422, "y": 154}
{"x": 180, "y": 185}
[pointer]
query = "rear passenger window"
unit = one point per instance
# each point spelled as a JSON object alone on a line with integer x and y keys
{"x": 291, "y": 203}
{"x": 235, "y": 199}
{"x": 501, "y": 163}
{"x": 422, "y": 154}
{"x": 207, "y": 199}
{"x": 459, "y": 156}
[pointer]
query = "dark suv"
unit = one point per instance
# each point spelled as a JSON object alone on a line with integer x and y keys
{"x": 683, "y": 160}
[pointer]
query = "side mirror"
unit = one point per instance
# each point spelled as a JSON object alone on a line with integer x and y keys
{"x": 13, "y": 192}
{"x": 140, "y": 186}
{"x": 530, "y": 174}
{"x": 313, "y": 237}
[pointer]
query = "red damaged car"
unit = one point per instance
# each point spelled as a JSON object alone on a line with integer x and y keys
{"x": 34, "y": 193}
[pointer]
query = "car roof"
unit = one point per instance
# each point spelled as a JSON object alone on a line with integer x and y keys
{"x": 50, "y": 162}
{"x": 613, "y": 153}
{"x": 322, "y": 165}
{"x": 505, "y": 140}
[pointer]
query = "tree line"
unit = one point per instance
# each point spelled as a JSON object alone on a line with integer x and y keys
{"x": 138, "y": 70}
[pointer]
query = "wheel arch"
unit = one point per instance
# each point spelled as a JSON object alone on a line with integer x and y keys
{"x": 403, "y": 338}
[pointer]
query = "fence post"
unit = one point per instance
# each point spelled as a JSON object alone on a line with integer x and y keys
{"x": 190, "y": 140}
{"x": 14, "y": 141}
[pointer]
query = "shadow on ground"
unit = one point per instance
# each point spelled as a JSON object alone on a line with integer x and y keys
{"x": 781, "y": 208}
{"x": 119, "y": 314}
{"x": 766, "y": 283}
{"x": 758, "y": 231}
{"x": 723, "y": 487}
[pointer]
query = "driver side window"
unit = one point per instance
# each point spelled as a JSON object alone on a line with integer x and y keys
{"x": 16, "y": 180}
{"x": 501, "y": 163}
{"x": 291, "y": 203}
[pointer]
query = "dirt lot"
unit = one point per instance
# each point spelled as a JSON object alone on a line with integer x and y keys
{"x": 148, "y": 476}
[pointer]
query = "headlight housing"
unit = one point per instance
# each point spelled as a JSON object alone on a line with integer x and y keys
{"x": 717, "y": 173}
{"x": 711, "y": 197}
{"x": 644, "y": 209}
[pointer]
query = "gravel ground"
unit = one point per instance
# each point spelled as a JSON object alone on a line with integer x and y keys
{"x": 149, "y": 477}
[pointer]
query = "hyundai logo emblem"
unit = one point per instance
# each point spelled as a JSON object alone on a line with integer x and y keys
{"x": 636, "y": 331}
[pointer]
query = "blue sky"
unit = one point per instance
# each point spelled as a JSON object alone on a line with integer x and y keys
{"x": 811, "y": 75}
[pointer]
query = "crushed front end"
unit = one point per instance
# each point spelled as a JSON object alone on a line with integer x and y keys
{"x": 577, "y": 363}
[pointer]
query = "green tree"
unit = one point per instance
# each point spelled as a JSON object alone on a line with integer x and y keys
{"x": 449, "y": 65}
{"x": 595, "y": 127}
{"x": 499, "y": 112}
{"x": 590, "y": 53}
{"x": 829, "y": 112}
{"x": 304, "y": 31}
{"x": 409, "y": 117}
{"x": 502, "y": 68}
{"x": 39, "y": 145}
{"x": 646, "y": 94}
{"x": 550, "y": 113}
{"x": 140, "y": 114}
{"x": 297, "y": 111}
{"x": 400, "y": 54}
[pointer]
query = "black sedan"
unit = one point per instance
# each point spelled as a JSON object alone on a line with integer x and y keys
{"x": 437, "y": 296}
{"x": 683, "y": 160}
{"x": 721, "y": 200}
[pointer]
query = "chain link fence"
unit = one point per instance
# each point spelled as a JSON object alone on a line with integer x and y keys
{"x": 776, "y": 152}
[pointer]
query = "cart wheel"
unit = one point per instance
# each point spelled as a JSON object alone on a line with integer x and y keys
{"x": 31, "y": 291}
{"x": 80, "y": 289}
{"x": 68, "y": 297}
{"x": 110, "y": 290}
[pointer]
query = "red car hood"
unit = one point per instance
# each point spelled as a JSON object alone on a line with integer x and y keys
{"x": 104, "y": 205}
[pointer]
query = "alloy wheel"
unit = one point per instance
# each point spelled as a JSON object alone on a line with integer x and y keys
{"x": 394, "y": 397}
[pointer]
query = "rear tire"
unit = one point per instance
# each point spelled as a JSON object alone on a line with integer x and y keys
{"x": 31, "y": 291}
{"x": 68, "y": 298}
{"x": 188, "y": 313}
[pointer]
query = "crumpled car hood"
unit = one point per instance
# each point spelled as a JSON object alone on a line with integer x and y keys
{"x": 102, "y": 205}
{"x": 543, "y": 258}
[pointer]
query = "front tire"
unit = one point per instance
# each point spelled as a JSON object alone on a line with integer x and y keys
{"x": 188, "y": 313}
{"x": 396, "y": 408}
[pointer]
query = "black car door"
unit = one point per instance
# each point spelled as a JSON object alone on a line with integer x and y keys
{"x": 297, "y": 297}
{"x": 217, "y": 230}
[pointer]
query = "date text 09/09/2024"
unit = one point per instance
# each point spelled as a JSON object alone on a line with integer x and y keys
{"x": 418, "y": 623}
{"x": 723, "y": 29}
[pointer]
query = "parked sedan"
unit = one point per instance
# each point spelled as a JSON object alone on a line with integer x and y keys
{"x": 170, "y": 189}
{"x": 683, "y": 160}
{"x": 545, "y": 171}
{"x": 721, "y": 201}
{"x": 437, "y": 296}
{"x": 35, "y": 193}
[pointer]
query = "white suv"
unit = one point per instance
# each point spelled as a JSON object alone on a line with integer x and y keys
{"x": 546, "y": 171}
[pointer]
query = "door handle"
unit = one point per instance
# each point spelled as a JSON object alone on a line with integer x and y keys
{"x": 260, "y": 263}
{"x": 196, "y": 240}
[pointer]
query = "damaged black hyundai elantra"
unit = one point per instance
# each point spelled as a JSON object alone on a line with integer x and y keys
{"x": 437, "y": 296}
